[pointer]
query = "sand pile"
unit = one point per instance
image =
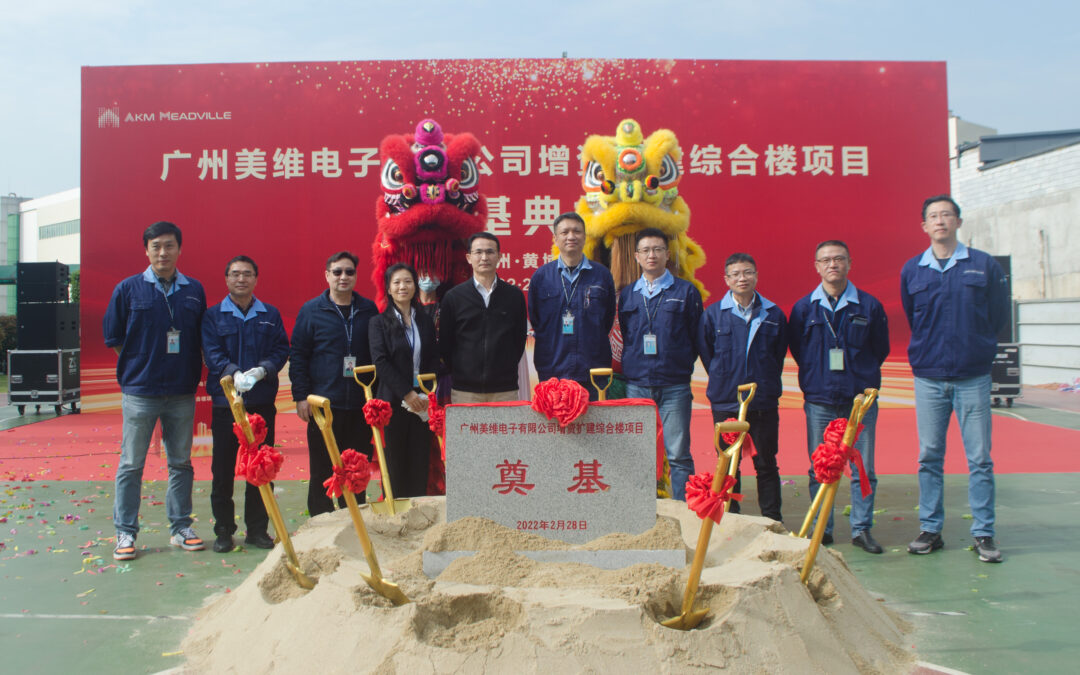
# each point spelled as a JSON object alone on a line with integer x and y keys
{"x": 499, "y": 611}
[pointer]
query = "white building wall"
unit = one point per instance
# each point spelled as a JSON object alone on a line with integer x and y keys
{"x": 49, "y": 210}
{"x": 1028, "y": 209}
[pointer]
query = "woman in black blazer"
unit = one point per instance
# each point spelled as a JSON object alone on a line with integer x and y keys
{"x": 402, "y": 341}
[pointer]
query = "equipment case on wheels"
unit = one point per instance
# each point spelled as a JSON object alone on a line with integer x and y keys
{"x": 40, "y": 377}
{"x": 1005, "y": 374}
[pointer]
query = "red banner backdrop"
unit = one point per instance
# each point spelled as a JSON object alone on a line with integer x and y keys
{"x": 279, "y": 161}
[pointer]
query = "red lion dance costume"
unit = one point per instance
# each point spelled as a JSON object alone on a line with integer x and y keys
{"x": 430, "y": 205}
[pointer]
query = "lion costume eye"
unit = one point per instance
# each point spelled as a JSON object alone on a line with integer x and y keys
{"x": 594, "y": 176}
{"x": 669, "y": 172}
{"x": 392, "y": 177}
{"x": 470, "y": 176}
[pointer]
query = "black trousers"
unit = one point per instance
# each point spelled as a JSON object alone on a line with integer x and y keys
{"x": 351, "y": 430}
{"x": 765, "y": 432}
{"x": 408, "y": 453}
{"x": 223, "y": 472}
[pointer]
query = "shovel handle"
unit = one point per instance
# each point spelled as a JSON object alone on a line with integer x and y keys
{"x": 366, "y": 386}
{"x": 423, "y": 379}
{"x": 602, "y": 372}
{"x": 236, "y": 405}
{"x": 749, "y": 390}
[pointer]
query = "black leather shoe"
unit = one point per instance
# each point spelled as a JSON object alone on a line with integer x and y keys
{"x": 259, "y": 540}
{"x": 223, "y": 543}
{"x": 827, "y": 539}
{"x": 866, "y": 542}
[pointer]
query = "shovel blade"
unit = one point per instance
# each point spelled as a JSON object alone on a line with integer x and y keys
{"x": 388, "y": 590}
{"x": 686, "y": 620}
{"x": 383, "y": 508}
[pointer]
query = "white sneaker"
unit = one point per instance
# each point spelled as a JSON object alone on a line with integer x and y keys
{"x": 125, "y": 546}
{"x": 187, "y": 540}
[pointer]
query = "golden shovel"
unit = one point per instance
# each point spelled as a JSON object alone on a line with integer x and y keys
{"x": 320, "y": 412}
{"x": 292, "y": 563}
{"x": 602, "y": 372}
{"x": 388, "y": 504}
{"x": 422, "y": 379}
{"x": 823, "y": 501}
{"x": 690, "y": 618}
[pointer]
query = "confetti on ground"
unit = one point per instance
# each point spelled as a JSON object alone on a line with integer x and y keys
{"x": 85, "y": 593}
{"x": 171, "y": 653}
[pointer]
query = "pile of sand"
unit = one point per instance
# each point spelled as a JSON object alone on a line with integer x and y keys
{"x": 499, "y": 611}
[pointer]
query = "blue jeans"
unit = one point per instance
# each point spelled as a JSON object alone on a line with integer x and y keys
{"x": 141, "y": 413}
{"x": 818, "y": 417}
{"x": 674, "y": 404}
{"x": 935, "y": 401}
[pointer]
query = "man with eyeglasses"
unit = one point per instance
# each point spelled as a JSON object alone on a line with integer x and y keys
{"x": 243, "y": 338}
{"x": 659, "y": 317}
{"x": 482, "y": 329}
{"x": 152, "y": 323}
{"x": 839, "y": 336}
{"x": 572, "y": 308}
{"x": 329, "y": 339}
{"x": 743, "y": 338}
{"x": 956, "y": 302}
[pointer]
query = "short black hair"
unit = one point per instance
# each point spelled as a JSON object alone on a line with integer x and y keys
{"x": 831, "y": 242}
{"x": 160, "y": 229}
{"x": 567, "y": 215}
{"x": 482, "y": 235}
{"x": 739, "y": 258}
{"x": 342, "y": 255}
{"x": 241, "y": 259}
{"x": 649, "y": 232}
{"x": 397, "y": 267}
{"x": 940, "y": 198}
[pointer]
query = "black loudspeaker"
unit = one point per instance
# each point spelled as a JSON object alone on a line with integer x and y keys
{"x": 48, "y": 326}
{"x": 36, "y": 292}
{"x": 42, "y": 273}
{"x": 1006, "y": 335}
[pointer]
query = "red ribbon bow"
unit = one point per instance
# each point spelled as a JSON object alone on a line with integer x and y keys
{"x": 436, "y": 417}
{"x": 377, "y": 412}
{"x": 832, "y": 456}
{"x": 562, "y": 400}
{"x": 354, "y": 474}
{"x": 258, "y": 429}
{"x": 732, "y": 436}
{"x": 256, "y": 462}
{"x": 703, "y": 501}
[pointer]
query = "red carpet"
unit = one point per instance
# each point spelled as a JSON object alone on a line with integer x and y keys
{"x": 86, "y": 447}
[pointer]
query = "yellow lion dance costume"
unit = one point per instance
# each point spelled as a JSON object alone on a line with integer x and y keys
{"x": 631, "y": 182}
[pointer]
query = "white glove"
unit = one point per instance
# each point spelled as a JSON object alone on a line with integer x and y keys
{"x": 422, "y": 414}
{"x": 245, "y": 381}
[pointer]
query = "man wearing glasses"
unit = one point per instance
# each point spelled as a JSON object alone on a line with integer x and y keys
{"x": 329, "y": 339}
{"x": 243, "y": 338}
{"x": 839, "y": 336}
{"x": 659, "y": 317}
{"x": 482, "y": 328}
{"x": 743, "y": 338}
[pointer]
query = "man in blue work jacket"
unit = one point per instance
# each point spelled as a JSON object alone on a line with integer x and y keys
{"x": 152, "y": 323}
{"x": 659, "y": 317}
{"x": 245, "y": 339}
{"x": 839, "y": 336}
{"x": 743, "y": 338}
{"x": 956, "y": 301}
{"x": 329, "y": 339}
{"x": 572, "y": 308}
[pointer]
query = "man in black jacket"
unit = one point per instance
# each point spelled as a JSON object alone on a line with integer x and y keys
{"x": 329, "y": 339}
{"x": 482, "y": 329}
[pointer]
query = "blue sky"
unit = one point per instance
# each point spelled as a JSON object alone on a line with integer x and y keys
{"x": 1014, "y": 66}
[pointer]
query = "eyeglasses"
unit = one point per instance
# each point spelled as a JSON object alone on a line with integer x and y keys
{"x": 482, "y": 252}
{"x": 839, "y": 260}
{"x": 656, "y": 250}
{"x": 744, "y": 274}
{"x": 347, "y": 271}
{"x": 244, "y": 274}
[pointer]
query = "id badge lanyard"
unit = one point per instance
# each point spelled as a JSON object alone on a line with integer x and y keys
{"x": 836, "y": 354}
{"x": 350, "y": 361}
{"x": 172, "y": 336}
{"x": 568, "y": 316}
{"x": 649, "y": 339}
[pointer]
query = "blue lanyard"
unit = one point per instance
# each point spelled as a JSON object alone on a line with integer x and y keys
{"x": 348, "y": 324}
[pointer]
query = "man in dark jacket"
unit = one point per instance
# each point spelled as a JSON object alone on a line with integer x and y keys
{"x": 243, "y": 338}
{"x": 956, "y": 301}
{"x": 329, "y": 339}
{"x": 572, "y": 308}
{"x": 152, "y": 322}
{"x": 743, "y": 338}
{"x": 839, "y": 336}
{"x": 482, "y": 327}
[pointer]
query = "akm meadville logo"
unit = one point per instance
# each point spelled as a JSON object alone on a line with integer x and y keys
{"x": 108, "y": 117}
